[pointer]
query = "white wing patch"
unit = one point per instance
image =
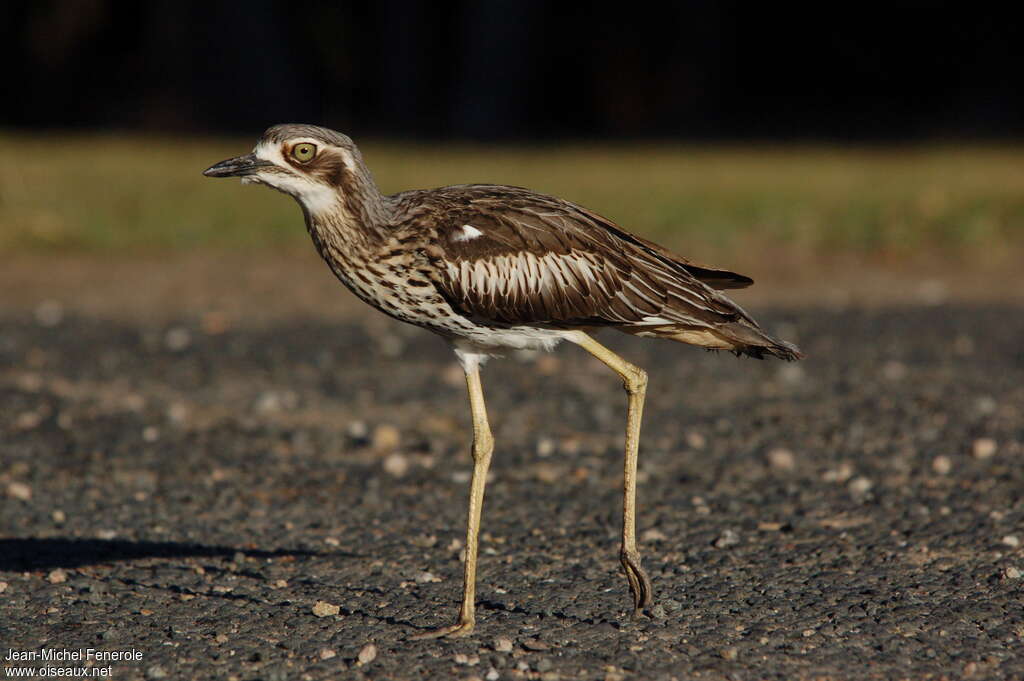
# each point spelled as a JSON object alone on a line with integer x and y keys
{"x": 466, "y": 233}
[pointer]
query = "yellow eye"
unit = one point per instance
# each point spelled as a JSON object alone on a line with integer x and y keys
{"x": 303, "y": 153}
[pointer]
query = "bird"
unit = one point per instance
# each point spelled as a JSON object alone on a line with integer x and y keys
{"x": 498, "y": 268}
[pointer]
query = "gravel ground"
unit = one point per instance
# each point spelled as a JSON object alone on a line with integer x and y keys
{"x": 286, "y": 501}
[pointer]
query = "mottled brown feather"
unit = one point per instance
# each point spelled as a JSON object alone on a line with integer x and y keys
{"x": 542, "y": 261}
{"x": 565, "y": 265}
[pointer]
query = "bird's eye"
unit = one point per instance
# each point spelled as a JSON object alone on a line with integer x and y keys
{"x": 304, "y": 153}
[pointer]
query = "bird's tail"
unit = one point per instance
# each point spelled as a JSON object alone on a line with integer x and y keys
{"x": 739, "y": 337}
{"x": 750, "y": 340}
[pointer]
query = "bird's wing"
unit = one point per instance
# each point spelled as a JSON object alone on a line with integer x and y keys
{"x": 509, "y": 256}
{"x": 715, "y": 277}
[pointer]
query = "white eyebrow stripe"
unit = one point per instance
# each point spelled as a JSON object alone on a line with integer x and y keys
{"x": 466, "y": 233}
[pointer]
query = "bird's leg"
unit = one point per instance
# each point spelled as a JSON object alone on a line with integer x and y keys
{"x": 483, "y": 446}
{"x": 635, "y": 381}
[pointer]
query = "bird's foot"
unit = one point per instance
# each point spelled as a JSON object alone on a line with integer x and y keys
{"x": 639, "y": 583}
{"x": 464, "y": 627}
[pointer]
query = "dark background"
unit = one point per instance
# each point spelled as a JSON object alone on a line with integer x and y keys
{"x": 518, "y": 68}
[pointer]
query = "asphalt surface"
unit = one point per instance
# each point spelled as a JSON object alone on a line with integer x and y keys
{"x": 192, "y": 490}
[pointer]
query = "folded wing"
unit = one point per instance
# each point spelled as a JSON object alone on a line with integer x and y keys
{"x": 515, "y": 257}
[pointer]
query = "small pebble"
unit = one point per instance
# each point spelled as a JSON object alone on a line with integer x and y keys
{"x": 150, "y": 434}
{"x": 396, "y": 464}
{"x": 325, "y": 609}
{"x": 1012, "y": 572}
{"x": 1011, "y": 540}
{"x": 468, "y": 660}
{"x": 503, "y": 644}
{"x": 547, "y": 473}
{"x": 357, "y": 430}
{"x": 58, "y": 516}
{"x": 492, "y": 674}
{"x": 695, "y": 440}
{"x": 385, "y": 438}
{"x": 177, "y": 338}
{"x": 3, "y": 587}
{"x": 808, "y": 633}
{"x": 782, "y": 459}
{"x": 270, "y": 401}
{"x": 894, "y": 371}
{"x": 426, "y": 578}
{"x": 57, "y": 576}
{"x": 942, "y": 465}
{"x": 424, "y": 541}
{"x": 368, "y": 654}
{"x": 860, "y": 485}
{"x": 730, "y": 653}
{"x": 178, "y": 413}
{"x": 984, "y": 448}
{"x": 327, "y": 653}
{"x": 726, "y": 539}
{"x": 28, "y": 420}
{"x": 545, "y": 447}
{"x": 985, "y": 405}
{"x": 19, "y": 490}
{"x": 544, "y": 664}
{"x": 839, "y": 474}
{"x": 653, "y": 534}
{"x": 156, "y": 672}
{"x": 671, "y": 604}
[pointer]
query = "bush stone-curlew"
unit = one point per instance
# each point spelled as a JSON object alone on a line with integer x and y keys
{"x": 493, "y": 268}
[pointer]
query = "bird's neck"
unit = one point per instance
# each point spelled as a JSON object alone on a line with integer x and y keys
{"x": 355, "y": 215}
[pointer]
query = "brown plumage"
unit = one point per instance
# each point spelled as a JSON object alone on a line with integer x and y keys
{"x": 492, "y": 268}
{"x": 542, "y": 261}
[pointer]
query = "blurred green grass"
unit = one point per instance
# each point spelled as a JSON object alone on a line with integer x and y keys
{"x": 117, "y": 193}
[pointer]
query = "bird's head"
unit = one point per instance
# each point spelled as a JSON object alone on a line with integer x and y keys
{"x": 317, "y": 166}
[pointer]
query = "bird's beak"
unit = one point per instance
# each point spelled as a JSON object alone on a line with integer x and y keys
{"x": 236, "y": 167}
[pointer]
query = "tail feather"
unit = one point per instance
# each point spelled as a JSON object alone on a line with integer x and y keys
{"x": 740, "y": 338}
{"x": 753, "y": 342}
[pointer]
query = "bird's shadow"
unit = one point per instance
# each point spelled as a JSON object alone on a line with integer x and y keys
{"x": 28, "y": 554}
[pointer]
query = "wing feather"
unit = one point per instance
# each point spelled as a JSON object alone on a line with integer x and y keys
{"x": 539, "y": 260}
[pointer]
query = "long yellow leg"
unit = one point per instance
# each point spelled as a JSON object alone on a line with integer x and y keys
{"x": 635, "y": 381}
{"x": 483, "y": 447}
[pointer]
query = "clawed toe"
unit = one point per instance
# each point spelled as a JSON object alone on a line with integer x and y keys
{"x": 457, "y": 630}
{"x": 639, "y": 583}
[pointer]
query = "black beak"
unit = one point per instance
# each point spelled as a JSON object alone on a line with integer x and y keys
{"x": 236, "y": 167}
